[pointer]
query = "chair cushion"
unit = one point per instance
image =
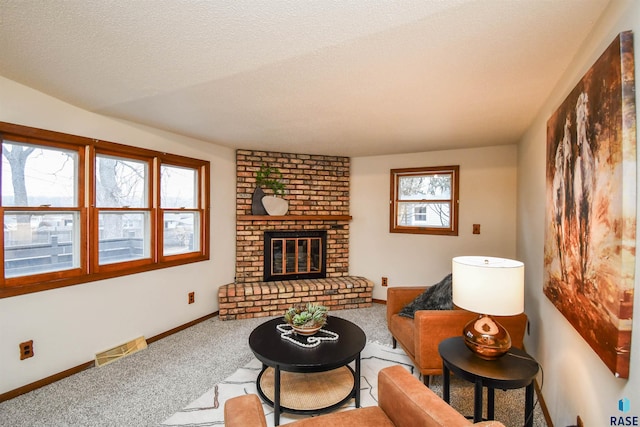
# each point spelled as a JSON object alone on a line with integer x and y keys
{"x": 436, "y": 297}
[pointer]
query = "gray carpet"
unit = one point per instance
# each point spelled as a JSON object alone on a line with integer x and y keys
{"x": 147, "y": 387}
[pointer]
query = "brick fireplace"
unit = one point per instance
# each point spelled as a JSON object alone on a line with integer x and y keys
{"x": 317, "y": 189}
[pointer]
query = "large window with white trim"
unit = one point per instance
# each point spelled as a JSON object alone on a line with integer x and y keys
{"x": 75, "y": 209}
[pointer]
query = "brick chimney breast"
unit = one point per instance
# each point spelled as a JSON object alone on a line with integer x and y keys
{"x": 317, "y": 189}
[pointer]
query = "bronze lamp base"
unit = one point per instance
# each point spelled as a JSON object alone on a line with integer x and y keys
{"x": 486, "y": 338}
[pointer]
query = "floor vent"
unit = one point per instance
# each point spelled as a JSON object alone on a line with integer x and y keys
{"x": 113, "y": 354}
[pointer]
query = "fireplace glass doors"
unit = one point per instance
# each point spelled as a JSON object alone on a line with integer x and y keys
{"x": 290, "y": 255}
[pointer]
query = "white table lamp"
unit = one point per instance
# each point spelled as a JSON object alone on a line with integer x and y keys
{"x": 491, "y": 287}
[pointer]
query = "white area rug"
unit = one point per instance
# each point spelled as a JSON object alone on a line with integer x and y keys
{"x": 208, "y": 409}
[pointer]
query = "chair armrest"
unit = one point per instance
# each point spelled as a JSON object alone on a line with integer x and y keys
{"x": 407, "y": 402}
{"x": 430, "y": 328}
{"x": 243, "y": 411}
{"x": 399, "y": 296}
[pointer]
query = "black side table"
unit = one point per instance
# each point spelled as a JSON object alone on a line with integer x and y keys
{"x": 516, "y": 369}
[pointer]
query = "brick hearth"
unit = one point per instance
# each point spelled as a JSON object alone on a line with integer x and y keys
{"x": 261, "y": 299}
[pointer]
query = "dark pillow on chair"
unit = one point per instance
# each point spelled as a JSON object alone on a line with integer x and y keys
{"x": 436, "y": 297}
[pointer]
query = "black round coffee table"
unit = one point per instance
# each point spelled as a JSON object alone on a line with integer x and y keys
{"x": 326, "y": 363}
{"x": 516, "y": 369}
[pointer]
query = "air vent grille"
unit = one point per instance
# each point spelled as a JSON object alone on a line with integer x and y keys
{"x": 113, "y": 354}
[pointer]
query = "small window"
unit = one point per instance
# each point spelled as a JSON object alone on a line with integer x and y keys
{"x": 424, "y": 200}
{"x": 420, "y": 214}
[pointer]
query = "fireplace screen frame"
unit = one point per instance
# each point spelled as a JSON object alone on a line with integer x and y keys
{"x": 314, "y": 267}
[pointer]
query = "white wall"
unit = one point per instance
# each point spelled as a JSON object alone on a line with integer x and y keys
{"x": 576, "y": 381}
{"x": 487, "y": 197}
{"x": 69, "y": 325}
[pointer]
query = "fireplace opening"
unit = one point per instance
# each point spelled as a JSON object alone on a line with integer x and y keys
{"x": 291, "y": 255}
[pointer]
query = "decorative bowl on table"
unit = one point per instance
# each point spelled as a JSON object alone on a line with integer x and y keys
{"x": 307, "y": 319}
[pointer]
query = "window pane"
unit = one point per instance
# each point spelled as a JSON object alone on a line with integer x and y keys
{"x": 121, "y": 182}
{"x": 425, "y": 187}
{"x": 40, "y": 242}
{"x": 123, "y": 236}
{"x": 316, "y": 254}
{"x": 277, "y": 253}
{"x": 34, "y": 175}
{"x": 424, "y": 215}
{"x": 290, "y": 246}
{"x": 302, "y": 255}
{"x": 181, "y": 233}
{"x": 178, "y": 187}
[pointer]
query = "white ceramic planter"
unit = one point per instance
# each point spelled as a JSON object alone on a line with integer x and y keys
{"x": 275, "y": 205}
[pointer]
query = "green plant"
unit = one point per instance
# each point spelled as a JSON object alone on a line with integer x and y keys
{"x": 309, "y": 316}
{"x": 268, "y": 177}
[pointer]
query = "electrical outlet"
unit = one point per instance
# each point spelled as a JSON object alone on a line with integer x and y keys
{"x": 476, "y": 228}
{"x": 26, "y": 349}
{"x": 192, "y": 297}
{"x": 384, "y": 281}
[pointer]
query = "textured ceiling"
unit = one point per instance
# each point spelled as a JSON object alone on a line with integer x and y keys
{"x": 345, "y": 78}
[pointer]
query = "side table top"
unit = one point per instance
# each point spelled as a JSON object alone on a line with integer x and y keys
{"x": 513, "y": 370}
{"x": 273, "y": 350}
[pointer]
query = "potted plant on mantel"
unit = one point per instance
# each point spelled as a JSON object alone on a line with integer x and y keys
{"x": 268, "y": 177}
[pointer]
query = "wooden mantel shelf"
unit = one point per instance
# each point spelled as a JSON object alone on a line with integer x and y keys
{"x": 294, "y": 217}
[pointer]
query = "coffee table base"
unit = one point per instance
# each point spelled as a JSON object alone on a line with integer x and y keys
{"x": 308, "y": 392}
{"x": 285, "y": 357}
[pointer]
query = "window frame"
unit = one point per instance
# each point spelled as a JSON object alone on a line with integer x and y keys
{"x": 96, "y": 211}
{"x": 89, "y": 270}
{"x": 453, "y": 201}
{"x": 51, "y": 276}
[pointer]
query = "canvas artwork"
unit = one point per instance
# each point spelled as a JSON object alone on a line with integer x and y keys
{"x": 589, "y": 253}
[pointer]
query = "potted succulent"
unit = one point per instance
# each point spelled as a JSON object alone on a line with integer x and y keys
{"x": 268, "y": 177}
{"x": 307, "y": 320}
